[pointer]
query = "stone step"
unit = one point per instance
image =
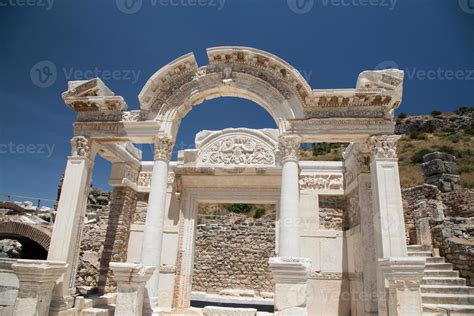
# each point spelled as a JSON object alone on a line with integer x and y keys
{"x": 419, "y": 254}
{"x": 448, "y": 289}
{"x": 443, "y": 281}
{"x": 440, "y": 309}
{"x": 442, "y": 298}
{"x": 435, "y": 260}
{"x": 412, "y": 248}
{"x": 441, "y": 273}
{"x": 98, "y": 311}
{"x": 438, "y": 266}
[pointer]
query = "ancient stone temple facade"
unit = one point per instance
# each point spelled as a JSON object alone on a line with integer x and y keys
{"x": 317, "y": 270}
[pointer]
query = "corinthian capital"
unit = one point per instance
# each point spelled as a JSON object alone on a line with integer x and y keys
{"x": 163, "y": 148}
{"x": 383, "y": 146}
{"x": 80, "y": 146}
{"x": 289, "y": 146}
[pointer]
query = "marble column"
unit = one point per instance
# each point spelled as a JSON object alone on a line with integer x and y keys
{"x": 153, "y": 233}
{"x": 387, "y": 197}
{"x": 67, "y": 231}
{"x": 290, "y": 272}
{"x": 37, "y": 279}
{"x": 289, "y": 234}
{"x": 131, "y": 279}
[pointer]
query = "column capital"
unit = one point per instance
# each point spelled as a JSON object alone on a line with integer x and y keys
{"x": 163, "y": 147}
{"x": 289, "y": 146}
{"x": 383, "y": 146}
{"x": 81, "y": 147}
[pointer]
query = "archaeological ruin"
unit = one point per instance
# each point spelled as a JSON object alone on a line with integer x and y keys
{"x": 323, "y": 263}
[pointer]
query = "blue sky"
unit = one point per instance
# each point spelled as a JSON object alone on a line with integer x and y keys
{"x": 126, "y": 41}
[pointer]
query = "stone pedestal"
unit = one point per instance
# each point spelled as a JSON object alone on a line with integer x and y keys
{"x": 67, "y": 231}
{"x": 131, "y": 279}
{"x": 290, "y": 275}
{"x": 37, "y": 279}
{"x": 402, "y": 279}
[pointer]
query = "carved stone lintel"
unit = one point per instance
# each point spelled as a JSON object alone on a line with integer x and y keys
{"x": 80, "y": 146}
{"x": 289, "y": 146}
{"x": 163, "y": 148}
{"x": 383, "y": 146}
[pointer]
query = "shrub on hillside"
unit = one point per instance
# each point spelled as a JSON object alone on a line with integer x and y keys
{"x": 259, "y": 212}
{"x": 417, "y": 157}
{"x": 416, "y": 135}
{"x": 239, "y": 208}
{"x": 436, "y": 113}
{"x": 321, "y": 149}
{"x": 464, "y": 110}
{"x": 446, "y": 149}
{"x": 402, "y": 115}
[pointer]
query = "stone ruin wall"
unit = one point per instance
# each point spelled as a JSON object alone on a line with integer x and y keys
{"x": 451, "y": 223}
{"x": 232, "y": 253}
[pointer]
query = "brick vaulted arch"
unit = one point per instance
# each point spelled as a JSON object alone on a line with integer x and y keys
{"x": 38, "y": 234}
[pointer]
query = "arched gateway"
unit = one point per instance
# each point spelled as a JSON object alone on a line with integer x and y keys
{"x": 318, "y": 270}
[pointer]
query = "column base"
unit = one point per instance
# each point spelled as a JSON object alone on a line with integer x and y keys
{"x": 131, "y": 279}
{"x": 37, "y": 279}
{"x": 290, "y": 276}
{"x": 401, "y": 280}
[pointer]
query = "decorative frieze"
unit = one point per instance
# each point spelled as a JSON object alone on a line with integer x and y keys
{"x": 321, "y": 182}
{"x": 383, "y": 146}
{"x": 144, "y": 179}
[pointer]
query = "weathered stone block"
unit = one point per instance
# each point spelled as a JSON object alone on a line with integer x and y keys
{"x": 438, "y": 155}
{"x": 432, "y": 167}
